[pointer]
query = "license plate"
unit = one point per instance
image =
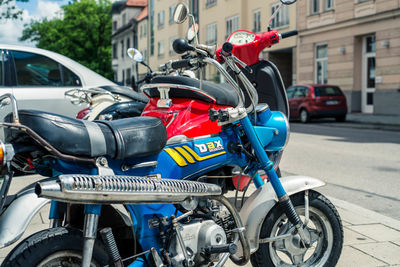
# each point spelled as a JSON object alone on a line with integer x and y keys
{"x": 332, "y": 102}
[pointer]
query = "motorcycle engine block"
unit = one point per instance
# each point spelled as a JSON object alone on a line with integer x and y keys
{"x": 197, "y": 235}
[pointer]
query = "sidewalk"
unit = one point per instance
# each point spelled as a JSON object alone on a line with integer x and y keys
{"x": 362, "y": 118}
{"x": 370, "y": 239}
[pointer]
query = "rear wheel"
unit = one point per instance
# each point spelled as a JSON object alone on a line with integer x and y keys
{"x": 52, "y": 248}
{"x": 304, "y": 116}
{"x": 324, "y": 229}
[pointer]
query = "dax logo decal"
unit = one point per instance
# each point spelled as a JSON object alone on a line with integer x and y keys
{"x": 210, "y": 146}
{"x": 182, "y": 155}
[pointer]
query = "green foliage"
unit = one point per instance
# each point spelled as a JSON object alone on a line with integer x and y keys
{"x": 83, "y": 34}
{"x": 10, "y": 11}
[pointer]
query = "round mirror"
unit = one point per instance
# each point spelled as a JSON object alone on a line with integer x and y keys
{"x": 135, "y": 55}
{"x": 192, "y": 31}
{"x": 180, "y": 13}
{"x": 288, "y": 2}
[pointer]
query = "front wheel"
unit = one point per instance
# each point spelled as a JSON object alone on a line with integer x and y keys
{"x": 324, "y": 229}
{"x": 304, "y": 116}
{"x": 54, "y": 247}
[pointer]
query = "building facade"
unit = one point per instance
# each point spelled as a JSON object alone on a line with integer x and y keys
{"x": 216, "y": 19}
{"x": 354, "y": 44}
{"x": 125, "y": 18}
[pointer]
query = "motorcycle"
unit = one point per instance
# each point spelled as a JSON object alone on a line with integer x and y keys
{"x": 108, "y": 173}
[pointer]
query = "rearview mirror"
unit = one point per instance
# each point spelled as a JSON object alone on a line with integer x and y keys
{"x": 180, "y": 13}
{"x": 135, "y": 55}
{"x": 288, "y": 2}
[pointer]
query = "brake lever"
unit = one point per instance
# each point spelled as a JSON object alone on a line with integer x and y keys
{"x": 241, "y": 63}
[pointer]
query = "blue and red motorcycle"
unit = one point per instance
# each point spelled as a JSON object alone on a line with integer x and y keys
{"x": 112, "y": 204}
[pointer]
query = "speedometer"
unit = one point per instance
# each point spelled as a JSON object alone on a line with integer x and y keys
{"x": 241, "y": 38}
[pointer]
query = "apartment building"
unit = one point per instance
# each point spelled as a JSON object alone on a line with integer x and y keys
{"x": 219, "y": 18}
{"x": 354, "y": 44}
{"x": 125, "y": 18}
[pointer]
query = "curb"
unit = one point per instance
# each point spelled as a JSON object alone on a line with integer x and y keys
{"x": 357, "y": 210}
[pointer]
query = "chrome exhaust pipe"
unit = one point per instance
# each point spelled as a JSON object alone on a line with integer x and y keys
{"x": 97, "y": 189}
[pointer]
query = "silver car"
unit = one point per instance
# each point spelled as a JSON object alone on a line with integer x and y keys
{"x": 38, "y": 79}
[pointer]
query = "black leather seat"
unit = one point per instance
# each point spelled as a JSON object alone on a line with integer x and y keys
{"x": 124, "y": 138}
{"x": 223, "y": 93}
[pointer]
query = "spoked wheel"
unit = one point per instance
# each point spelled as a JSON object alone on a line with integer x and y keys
{"x": 324, "y": 230}
{"x": 55, "y": 247}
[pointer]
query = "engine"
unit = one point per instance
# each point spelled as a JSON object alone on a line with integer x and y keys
{"x": 199, "y": 236}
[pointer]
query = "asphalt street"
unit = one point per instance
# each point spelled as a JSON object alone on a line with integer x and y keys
{"x": 361, "y": 164}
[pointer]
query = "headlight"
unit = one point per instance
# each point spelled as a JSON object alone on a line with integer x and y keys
{"x": 273, "y": 132}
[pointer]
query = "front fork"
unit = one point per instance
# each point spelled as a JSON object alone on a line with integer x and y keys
{"x": 267, "y": 165}
{"x": 92, "y": 215}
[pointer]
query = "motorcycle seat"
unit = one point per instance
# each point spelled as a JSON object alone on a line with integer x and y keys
{"x": 221, "y": 94}
{"x": 119, "y": 139}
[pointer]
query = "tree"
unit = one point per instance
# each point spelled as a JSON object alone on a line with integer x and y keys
{"x": 8, "y": 11}
{"x": 83, "y": 34}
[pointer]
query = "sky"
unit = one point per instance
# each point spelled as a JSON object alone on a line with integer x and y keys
{"x": 11, "y": 30}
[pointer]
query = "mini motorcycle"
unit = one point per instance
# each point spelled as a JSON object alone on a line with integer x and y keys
{"x": 105, "y": 177}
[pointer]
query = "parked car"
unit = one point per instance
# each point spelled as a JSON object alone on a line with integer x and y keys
{"x": 38, "y": 79}
{"x": 316, "y": 101}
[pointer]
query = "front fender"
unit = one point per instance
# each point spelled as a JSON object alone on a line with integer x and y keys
{"x": 258, "y": 205}
{"x": 16, "y": 218}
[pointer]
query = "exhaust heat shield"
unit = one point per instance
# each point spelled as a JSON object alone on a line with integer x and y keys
{"x": 95, "y": 189}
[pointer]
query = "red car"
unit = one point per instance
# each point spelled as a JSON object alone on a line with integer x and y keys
{"x": 316, "y": 101}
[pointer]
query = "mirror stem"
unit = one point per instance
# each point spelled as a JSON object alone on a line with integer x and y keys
{"x": 194, "y": 28}
{"x": 147, "y": 66}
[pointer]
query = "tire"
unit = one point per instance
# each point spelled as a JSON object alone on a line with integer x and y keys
{"x": 341, "y": 118}
{"x": 324, "y": 218}
{"x": 54, "y": 247}
{"x": 304, "y": 116}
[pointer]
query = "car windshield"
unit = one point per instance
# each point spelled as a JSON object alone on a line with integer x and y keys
{"x": 327, "y": 91}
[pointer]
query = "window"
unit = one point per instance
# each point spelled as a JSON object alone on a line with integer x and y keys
{"x": 328, "y": 4}
{"x": 314, "y": 6}
{"x": 1, "y": 68}
{"x": 290, "y": 92}
{"x": 144, "y": 53}
{"x": 36, "y": 70}
{"x": 321, "y": 64}
{"x": 122, "y": 49}
{"x": 210, "y": 3}
{"x": 232, "y": 24}
{"x": 128, "y": 43}
{"x": 171, "y": 49}
{"x": 123, "y": 19}
{"x": 161, "y": 48}
{"x": 123, "y": 77}
{"x": 160, "y": 16}
{"x": 211, "y": 34}
{"x": 143, "y": 30}
{"x": 114, "y": 25}
{"x": 257, "y": 21}
{"x": 171, "y": 14}
{"x": 70, "y": 78}
{"x": 115, "y": 51}
{"x": 327, "y": 91}
{"x": 281, "y": 18}
{"x": 128, "y": 76}
{"x": 300, "y": 92}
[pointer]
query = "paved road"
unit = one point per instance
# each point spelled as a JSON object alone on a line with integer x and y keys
{"x": 361, "y": 166}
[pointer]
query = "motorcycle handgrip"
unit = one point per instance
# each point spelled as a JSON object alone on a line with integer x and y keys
{"x": 289, "y": 34}
{"x": 180, "y": 64}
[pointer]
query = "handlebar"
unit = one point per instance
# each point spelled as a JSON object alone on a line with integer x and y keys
{"x": 180, "y": 64}
{"x": 289, "y": 34}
